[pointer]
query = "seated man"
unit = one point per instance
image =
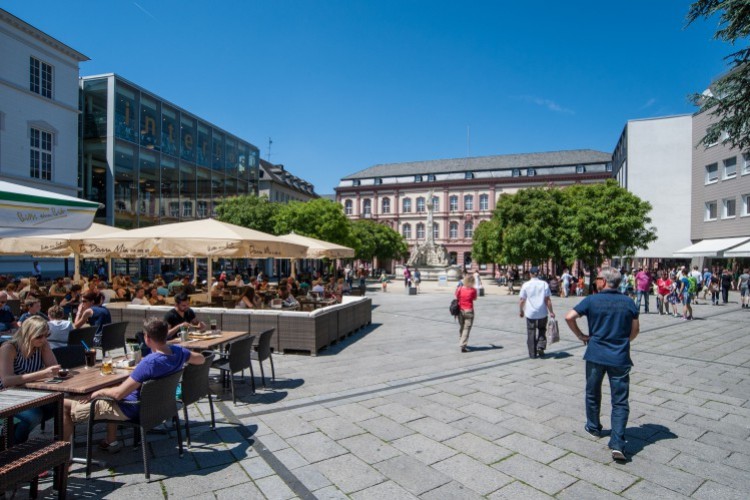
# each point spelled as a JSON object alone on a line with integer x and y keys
{"x": 33, "y": 308}
{"x": 7, "y": 320}
{"x": 180, "y": 315}
{"x": 164, "y": 360}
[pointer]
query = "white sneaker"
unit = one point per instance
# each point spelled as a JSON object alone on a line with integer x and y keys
{"x": 618, "y": 455}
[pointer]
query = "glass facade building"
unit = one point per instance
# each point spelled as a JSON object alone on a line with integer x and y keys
{"x": 150, "y": 162}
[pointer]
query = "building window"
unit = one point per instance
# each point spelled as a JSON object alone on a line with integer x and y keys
{"x": 453, "y": 200}
{"x": 468, "y": 229}
{"x": 417, "y": 178}
{"x": 531, "y": 172}
{"x": 580, "y": 169}
{"x": 469, "y": 175}
{"x": 378, "y": 181}
{"x": 406, "y": 205}
{"x": 348, "y": 207}
{"x": 386, "y": 206}
{"x": 174, "y": 209}
{"x": 484, "y": 202}
{"x": 453, "y": 230}
{"x": 468, "y": 202}
{"x": 40, "y": 159}
{"x": 356, "y": 182}
{"x": 710, "y": 211}
{"x": 420, "y": 204}
{"x": 730, "y": 168}
{"x": 367, "y": 208}
{"x": 431, "y": 177}
{"x": 516, "y": 172}
{"x": 609, "y": 166}
{"x": 729, "y": 210}
{"x": 40, "y": 78}
{"x": 712, "y": 173}
{"x": 745, "y": 163}
{"x": 406, "y": 231}
{"x": 435, "y": 230}
{"x": 435, "y": 204}
{"x": 420, "y": 231}
{"x": 745, "y": 205}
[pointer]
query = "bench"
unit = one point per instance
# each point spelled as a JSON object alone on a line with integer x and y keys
{"x": 24, "y": 462}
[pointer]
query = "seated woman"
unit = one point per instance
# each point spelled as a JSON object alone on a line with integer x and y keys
{"x": 59, "y": 327}
{"x": 154, "y": 298}
{"x": 249, "y": 300}
{"x": 27, "y": 357}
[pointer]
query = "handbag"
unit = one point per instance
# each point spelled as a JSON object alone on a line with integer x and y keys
{"x": 454, "y": 308}
{"x": 553, "y": 331}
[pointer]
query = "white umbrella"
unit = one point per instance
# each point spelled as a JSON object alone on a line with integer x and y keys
{"x": 26, "y": 211}
{"x": 317, "y": 249}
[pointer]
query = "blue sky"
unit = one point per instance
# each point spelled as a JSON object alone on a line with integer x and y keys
{"x": 342, "y": 85}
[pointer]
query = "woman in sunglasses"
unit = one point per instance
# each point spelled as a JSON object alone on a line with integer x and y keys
{"x": 27, "y": 357}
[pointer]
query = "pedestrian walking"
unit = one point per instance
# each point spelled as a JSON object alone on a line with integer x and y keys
{"x": 742, "y": 285}
{"x": 726, "y": 285}
{"x": 613, "y": 325}
{"x": 466, "y": 295}
{"x": 643, "y": 286}
{"x": 536, "y": 305}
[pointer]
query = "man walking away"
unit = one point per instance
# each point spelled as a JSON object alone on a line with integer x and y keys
{"x": 706, "y": 282}
{"x": 535, "y": 305}
{"x": 566, "y": 279}
{"x": 643, "y": 288}
{"x": 613, "y": 324}
{"x": 742, "y": 285}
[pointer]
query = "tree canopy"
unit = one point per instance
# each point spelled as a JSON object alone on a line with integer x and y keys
{"x": 319, "y": 218}
{"x": 373, "y": 240}
{"x": 254, "y": 212}
{"x": 729, "y": 96}
{"x": 590, "y": 222}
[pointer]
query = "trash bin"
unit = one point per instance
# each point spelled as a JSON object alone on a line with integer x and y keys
{"x": 412, "y": 290}
{"x": 481, "y": 292}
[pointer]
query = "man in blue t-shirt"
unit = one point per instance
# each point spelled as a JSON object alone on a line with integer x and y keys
{"x": 164, "y": 360}
{"x": 613, "y": 324}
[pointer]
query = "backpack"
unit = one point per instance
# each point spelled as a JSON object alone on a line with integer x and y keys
{"x": 454, "y": 308}
{"x": 693, "y": 284}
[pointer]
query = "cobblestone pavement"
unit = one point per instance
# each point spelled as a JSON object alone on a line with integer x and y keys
{"x": 396, "y": 411}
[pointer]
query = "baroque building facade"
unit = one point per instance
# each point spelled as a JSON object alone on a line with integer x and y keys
{"x": 462, "y": 191}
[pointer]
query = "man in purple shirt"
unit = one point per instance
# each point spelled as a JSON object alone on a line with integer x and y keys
{"x": 642, "y": 288}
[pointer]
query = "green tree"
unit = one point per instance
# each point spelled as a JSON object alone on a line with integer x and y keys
{"x": 729, "y": 96}
{"x": 601, "y": 221}
{"x": 254, "y": 212}
{"x": 319, "y": 218}
{"x": 487, "y": 241}
{"x": 373, "y": 240}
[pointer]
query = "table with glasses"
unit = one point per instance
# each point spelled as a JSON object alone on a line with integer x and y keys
{"x": 82, "y": 380}
{"x": 208, "y": 341}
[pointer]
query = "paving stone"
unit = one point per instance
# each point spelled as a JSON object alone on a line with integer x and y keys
{"x": 719, "y": 473}
{"x": 451, "y": 491}
{"x": 244, "y": 490}
{"x": 487, "y": 413}
{"x": 349, "y": 473}
{"x": 330, "y": 493}
{"x": 711, "y": 490}
{"x": 535, "y": 474}
{"x": 517, "y": 490}
{"x": 473, "y": 474}
{"x": 316, "y": 447}
{"x": 725, "y": 442}
{"x": 728, "y": 429}
{"x": 385, "y": 428}
{"x": 225, "y": 475}
{"x": 389, "y": 490}
{"x": 446, "y": 399}
{"x": 337, "y": 427}
{"x": 666, "y": 476}
{"x": 692, "y": 409}
{"x": 286, "y": 426}
{"x": 257, "y": 468}
{"x": 423, "y": 449}
{"x": 586, "y": 491}
{"x": 603, "y": 476}
{"x": 398, "y": 412}
{"x": 481, "y": 428}
{"x": 442, "y": 413}
{"x": 315, "y": 414}
{"x": 434, "y": 429}
{"x": 738, "y": 460}
{"x": 585, "y": 446}
{"x": 483, "y": 450}
{"x": 272, "y": 442}
{"x": 311, "y": 477}
{"x": 354, "y": 412}
{"x": 274, "y": 488}
{"x": 531, "y": 429}
{"x": 646, "y": 490}
{"x": 411, "y": 474}
{"x": 532, "y": 448}
{"x": 369, "y": 448}
{"x": 487, "y": 399}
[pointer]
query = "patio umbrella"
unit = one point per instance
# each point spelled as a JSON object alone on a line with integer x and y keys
{"x": 194, "y": 239}
{"x": 317, "y": 249}
{"x": 26, "y": 211}
{"x": 61, "y": 244}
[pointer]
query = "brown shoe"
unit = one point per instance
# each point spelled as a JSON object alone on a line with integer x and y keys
{"x": 463, "y": 349}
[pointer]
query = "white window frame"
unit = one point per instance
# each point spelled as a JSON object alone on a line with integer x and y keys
{"x": 709, "y": 168}
{"x": 435, "y": 230}
{"x": 348, "y": 207}
{"x": 726, "y": 203}
{"x": 41, "y": 77}
{"x": 435, "y": 204}
{"x": 187, "y": 208}
{"x": 453, "y": 230}
{"x": 174, "y": 209}
{"x": 484, "y": 202}
{"x": 421, "y": 207}
{"x": 728, "y": 164}
{"x": 745, "y": 163}
{"x": 406, "y": 231}
{"x": 453, "y": 203}
{"x": 201, "y": 210}
{"x": 406, "y": 205}
{"x": 468, "y": 202}
{"x": 420, "y": 231}
{"x": 41, "y": 153}
{"x": 385, "y": 206}
{"x": 580, "y": 169}
{"x": 707, "y": 211}
{"x": 745, "y": 205}
{"x": 367, "y": 207}
{"x": 468, "y": 229}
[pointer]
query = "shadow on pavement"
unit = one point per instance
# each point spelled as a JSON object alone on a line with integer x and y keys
{"x": 351, "y": 339}
{"x": 640, "y": 437}
{"x": 558, "y": 355}
{"x": 484, "y": 347}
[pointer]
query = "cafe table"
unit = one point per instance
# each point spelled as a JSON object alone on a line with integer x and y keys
{"x": 206, "y": 341}
{"x": 82, "y": 381}
{"x": 14, "y": 401}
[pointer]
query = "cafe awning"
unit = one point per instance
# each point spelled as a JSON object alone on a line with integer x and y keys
{"x": 26, "y": 211}
{"x": 318, "y": 249}
{"x": 739, "y": 251}
{"x": 715, "y": 247}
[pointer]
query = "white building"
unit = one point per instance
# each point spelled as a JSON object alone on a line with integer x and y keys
{"x": 38, "y": 108}
{"x": 280, "y": 186}
{"x": 653, "y": 160}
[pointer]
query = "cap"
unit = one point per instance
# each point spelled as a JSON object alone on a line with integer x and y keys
{"x": 534, "y": 270}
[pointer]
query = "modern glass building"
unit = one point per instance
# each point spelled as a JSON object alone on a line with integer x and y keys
{"x": 150, "y": 162}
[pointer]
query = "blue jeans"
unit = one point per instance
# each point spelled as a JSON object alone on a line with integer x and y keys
{"x": 619, "y": 385}
{"x": 638, "y": 295}
{"x": 26, "y": 421}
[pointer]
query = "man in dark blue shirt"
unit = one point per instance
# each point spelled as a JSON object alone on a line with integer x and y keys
{"x": 7, "y": 320}
{"x": 613, "y": 324}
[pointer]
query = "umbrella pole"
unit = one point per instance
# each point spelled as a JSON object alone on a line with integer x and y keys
{"x": 209, "y": 268}
{"x": 293, "y": 273}
{"x": 76, "y": 268}
{"x": 195, "y": 271}
{"x": 109, "y": 269}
